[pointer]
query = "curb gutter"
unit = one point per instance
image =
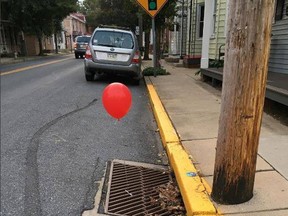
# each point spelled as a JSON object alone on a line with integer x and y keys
{"x": 192, "y": 186}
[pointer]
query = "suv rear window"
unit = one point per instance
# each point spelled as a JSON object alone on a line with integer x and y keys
{"x": 113, "y": 39}
{"x": 83, "y": 39}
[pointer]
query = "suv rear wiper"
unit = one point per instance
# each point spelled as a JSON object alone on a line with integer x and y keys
{"x": 107, "y": 45}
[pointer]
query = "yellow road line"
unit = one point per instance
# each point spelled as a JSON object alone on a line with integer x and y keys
{"x": 195, "y": 196}
{"x": 30, "y": 67}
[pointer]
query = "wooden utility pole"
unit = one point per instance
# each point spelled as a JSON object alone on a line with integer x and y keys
{"x": 245, "y": 73}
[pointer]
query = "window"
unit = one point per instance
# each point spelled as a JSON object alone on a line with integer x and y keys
{"x": 83, "y": 39}
{"x": 113, "y": 39}
{"x": 200, "y": 16}
{"x": 279, "y": 9}
{"x": 214, "y": 17}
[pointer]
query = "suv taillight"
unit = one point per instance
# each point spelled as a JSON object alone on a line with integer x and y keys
{"x": 136, "y": 57}
{"x": 88, "y": 54}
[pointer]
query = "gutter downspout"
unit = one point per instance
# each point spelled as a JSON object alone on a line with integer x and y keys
{"x": 182, "y": 24}
{"x": 217, "y": 30}
{"x": 195, "y": 28}
{"x": 190, "y": 28}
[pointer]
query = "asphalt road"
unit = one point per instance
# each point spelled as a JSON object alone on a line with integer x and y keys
{"x": 56, "y": 137}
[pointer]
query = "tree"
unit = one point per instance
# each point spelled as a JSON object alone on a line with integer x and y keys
{"x": 161, "y": 22}
{"x": 245, "y": 73}
{"x": 91, "y": 9}
{"x": 113, "y": 12}
{"x": 59, "y": 10}
{"x": 41, "y": 17}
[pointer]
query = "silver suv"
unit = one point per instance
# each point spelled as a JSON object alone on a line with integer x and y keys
{"x": 112, "y": 51}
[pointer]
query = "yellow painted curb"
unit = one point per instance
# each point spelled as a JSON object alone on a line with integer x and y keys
{"x": 195, "y": 197}
{"x": 167, "y": 131}
{"x": 194, "y": 194}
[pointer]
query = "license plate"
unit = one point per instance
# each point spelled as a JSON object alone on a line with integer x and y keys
{"x": 111, "y": 56}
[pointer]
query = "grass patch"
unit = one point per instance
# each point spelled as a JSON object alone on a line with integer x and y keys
{"x": 150, "y": 71}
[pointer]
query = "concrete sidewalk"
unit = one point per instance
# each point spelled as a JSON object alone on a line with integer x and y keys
{"x": 194, "y": 108}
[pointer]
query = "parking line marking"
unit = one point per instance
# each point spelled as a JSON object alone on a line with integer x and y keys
{"x": 31, "y": 67}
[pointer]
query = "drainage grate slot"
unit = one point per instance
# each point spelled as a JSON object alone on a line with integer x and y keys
{"x": 132, "y": 186}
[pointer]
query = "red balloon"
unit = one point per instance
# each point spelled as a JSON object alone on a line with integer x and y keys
{"x": 117, "y": 100}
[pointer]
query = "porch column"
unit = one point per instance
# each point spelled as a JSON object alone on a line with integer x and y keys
{"x": 207, "y": 32}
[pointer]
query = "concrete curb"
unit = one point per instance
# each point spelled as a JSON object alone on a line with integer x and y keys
{"x": 192, "y": 187}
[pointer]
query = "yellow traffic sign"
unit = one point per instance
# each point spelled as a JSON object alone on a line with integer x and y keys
{"x": 152, "y": 7}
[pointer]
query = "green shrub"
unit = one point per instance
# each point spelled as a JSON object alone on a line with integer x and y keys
{"x": 149, "y": 71}
{"x": 216, "y": 63}
{"x": 7, "y": 55}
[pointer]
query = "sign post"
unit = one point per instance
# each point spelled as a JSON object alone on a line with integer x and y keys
{"x": 152, "y": 7}
{"x": 154, "y": 45}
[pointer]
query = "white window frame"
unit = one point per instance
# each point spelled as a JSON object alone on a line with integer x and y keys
{"x": 215, "y": 3}
{"x": 198, "y": 19}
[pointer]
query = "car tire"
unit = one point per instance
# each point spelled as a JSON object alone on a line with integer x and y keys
{"x": 98, "y": 75}
{"x": 76, "y": 56}
{"x": 89, "y": 77}
{"x": 136, "y": 82}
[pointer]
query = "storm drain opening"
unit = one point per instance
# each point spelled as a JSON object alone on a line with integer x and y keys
{"x": 133, "y": 189}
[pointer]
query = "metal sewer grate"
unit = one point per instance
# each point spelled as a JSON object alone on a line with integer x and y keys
{"x": 131, "y": 187}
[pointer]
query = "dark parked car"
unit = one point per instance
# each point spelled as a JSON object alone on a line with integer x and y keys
{"x": 80, "y": 45}
{"x": 113, "y": 51}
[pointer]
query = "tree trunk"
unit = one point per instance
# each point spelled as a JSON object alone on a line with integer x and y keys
{"x": 56, "y": 43}
{"x": 147, "y": 45}
{"x": 158, "y": 47}
{"x": 245, "y": 73}
{"x": 40, "y": 45}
